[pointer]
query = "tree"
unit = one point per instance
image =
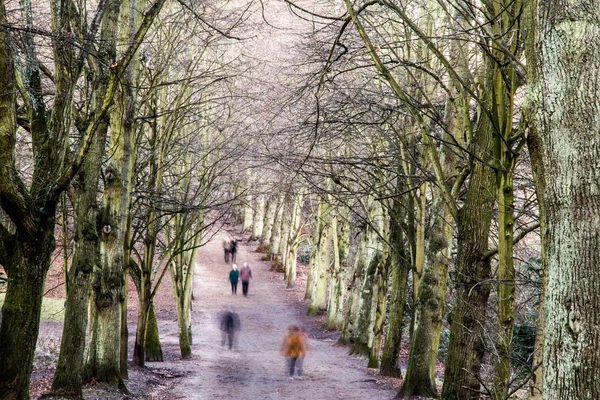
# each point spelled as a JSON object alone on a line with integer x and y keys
{"x": 564, "y": 143}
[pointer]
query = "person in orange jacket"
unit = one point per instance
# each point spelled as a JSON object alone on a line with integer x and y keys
{"x": 293, "y": 347}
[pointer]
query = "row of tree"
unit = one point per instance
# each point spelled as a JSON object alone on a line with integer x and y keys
{"x": 116, "y": 141}
{"x": 432, "y": 119}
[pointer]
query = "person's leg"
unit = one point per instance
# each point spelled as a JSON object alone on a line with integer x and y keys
{"x": 235, "y": 288}
{"x": 292, "y": 366}
{"x": 245, "y": 287}
{"x": 230, "y": 340}
{"x": 299, "y": 364}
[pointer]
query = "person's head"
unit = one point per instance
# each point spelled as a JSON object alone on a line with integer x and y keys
{"x": 234, "y": 267}
{"x": 245, "y": 265}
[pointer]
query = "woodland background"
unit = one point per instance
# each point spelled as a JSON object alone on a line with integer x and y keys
{"x": 434, "y": 161}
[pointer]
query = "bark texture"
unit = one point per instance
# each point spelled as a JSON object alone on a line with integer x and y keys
{"x": 566, "y": 101}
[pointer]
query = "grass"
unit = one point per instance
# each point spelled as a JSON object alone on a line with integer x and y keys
{"x": 52, "y": 309}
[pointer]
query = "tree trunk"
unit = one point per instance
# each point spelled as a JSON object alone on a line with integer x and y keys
{"x": 103, "y": 361}
{"x": 380, "y": 289}
{"x": 399, "y": 265}
{"x": 86, "y": 257}
{"x": 465, "y": 351}
{"x": 26, "y": 272}
{"x": 258, "y": 217}
{"x": 67, "y": 377}
{"x": 430, "y": 307}
{"x": 337, "y": 288}
{"x": 322, "y": 259}
{"x": 293, "y": 241}
{"x": 275, "y": 240}
{"x": 566, "y": 164}
{"x": 153, "y": 348}
{"x": 269, "y": 220}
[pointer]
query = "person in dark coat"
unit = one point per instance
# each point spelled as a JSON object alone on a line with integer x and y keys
{"x": 233, "y": 249}
{"x": 229, "y": 323}
{"x": 234, "y": 276}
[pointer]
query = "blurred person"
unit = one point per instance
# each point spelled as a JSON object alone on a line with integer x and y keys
{"x": 227, "y": 249}
{"x": 234, "y": 276}
{"x": 233, "y": 250}
{"x": 293, "y": 348}
{"x": 229, "y": 323}
{"x": 245, "y": 276}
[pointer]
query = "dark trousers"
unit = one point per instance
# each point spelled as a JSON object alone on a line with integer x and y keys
{"x": 245, "y": 287}
{"x": 233, "y": 288}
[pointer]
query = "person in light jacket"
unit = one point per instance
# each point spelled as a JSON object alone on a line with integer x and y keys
{"x": 245, "y": 276}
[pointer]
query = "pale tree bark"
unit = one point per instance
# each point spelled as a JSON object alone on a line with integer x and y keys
{"x": 565, "y": 152}
{"x": 295, "y": 237}
{"x": 359, "y": 316}
{"x": 275, "y": 247}
{"x": 258, "y": 217}
{"x": 337, "y": 288}
{"x": 275, "y": 238}
{"x": 322, "y": 256}
{"x": 187, "y": 233}
{"x": 380, "y": 291}
{"x": 269, "y": 219}
{"x": 248, "y": 213}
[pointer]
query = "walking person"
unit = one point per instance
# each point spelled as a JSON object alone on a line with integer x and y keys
{"x": 245, "y": 276}
{"x": 233, "y": 249}
{"x": 293, "y": 348}
{"x": 229, "y": 323}
{"x": 227, "y": 249}
{"x": 234, "y": 276}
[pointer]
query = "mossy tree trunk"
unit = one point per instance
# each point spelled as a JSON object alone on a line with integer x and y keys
{"x": 466, "y": 348}
{"x": 337, "y": 288}
{"x": 67, "y": 377}
{"x": 399, "y": 267}
{"x": 430, "y": 307}
{"x": 566, "y": 160}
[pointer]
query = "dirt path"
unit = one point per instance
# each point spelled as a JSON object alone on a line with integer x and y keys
{"x": 254, "y": 369}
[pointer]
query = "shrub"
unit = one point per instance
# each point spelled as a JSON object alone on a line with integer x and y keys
{"x": 277, "y": 266}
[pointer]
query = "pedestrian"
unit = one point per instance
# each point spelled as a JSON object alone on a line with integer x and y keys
{"x": 293, "y": 349}
{"x": 233, "y": 249}
{"x": 234, "y": 276}
{"x": 229, "y": 323}
{"x": 245, "y": 276}
{"x": 227, "y": 249}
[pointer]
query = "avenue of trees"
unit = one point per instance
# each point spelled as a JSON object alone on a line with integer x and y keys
{"x": 436, "y": 159}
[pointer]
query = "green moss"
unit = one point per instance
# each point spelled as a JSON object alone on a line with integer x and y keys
{"x": 52, "y": 309}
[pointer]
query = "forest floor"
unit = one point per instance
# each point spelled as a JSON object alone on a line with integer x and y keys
{"x": 253, "y": 369}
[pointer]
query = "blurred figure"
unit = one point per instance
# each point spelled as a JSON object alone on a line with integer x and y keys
{"x": 226, "y": 249}
{"x": 245, "y": 276}
{"x": 293, "y": 348}
{"x": 234, "y": 276}
{"x": 233, "y": 249}
{"x": 229, "y": 323}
